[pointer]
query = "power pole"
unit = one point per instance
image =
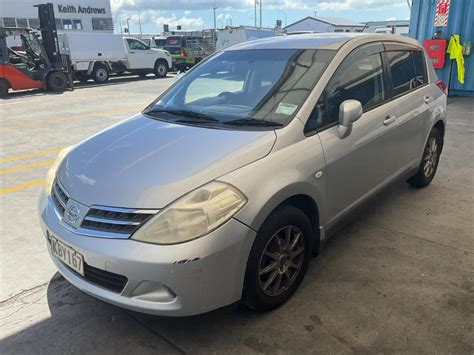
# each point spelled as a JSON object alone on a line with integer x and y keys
{"x": 260, "y": 13}
{"x": 140, "y": 23}
{"x": 255, "y": 14}
{"x": 214, "y": 39}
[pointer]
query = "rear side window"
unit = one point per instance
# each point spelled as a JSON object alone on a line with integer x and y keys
{"x": 360, "y": 77}
{"x": 420, "y": 67}
{"x": 408, "y": 70}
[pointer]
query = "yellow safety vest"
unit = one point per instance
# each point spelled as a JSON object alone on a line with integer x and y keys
{"x": 455, "y": 52}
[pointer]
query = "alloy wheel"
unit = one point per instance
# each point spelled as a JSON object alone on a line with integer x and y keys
{"x": 431, "y": 157}
{"x": 281, "y": 261}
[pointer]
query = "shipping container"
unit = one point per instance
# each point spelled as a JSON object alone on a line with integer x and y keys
{"x": 461, "y": 22}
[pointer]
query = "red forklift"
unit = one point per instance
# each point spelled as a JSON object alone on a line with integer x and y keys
{"x": 30, "y": 62}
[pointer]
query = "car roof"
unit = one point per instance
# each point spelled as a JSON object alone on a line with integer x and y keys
{"x": 330, "y": 40}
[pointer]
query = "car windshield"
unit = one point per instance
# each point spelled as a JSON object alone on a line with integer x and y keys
{"x": 244, "y": 88}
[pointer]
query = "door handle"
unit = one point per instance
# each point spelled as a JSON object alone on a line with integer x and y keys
{"x": 427, "y": 99}
{"x": 389, "y": 120}
{"x": 132, "y": 52}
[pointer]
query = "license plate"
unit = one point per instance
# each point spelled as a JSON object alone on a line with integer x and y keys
{"x": 67, "y": 255}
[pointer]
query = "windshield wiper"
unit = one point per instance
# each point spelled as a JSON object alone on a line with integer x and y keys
{"x": 249, "y": 121}
{"x": 189, "y": 115}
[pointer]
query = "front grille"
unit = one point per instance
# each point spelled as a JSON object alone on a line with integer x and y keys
{"x": 106, "y": 279}
{"x": 60, "y": 197}
{"x": 114, "y": 222}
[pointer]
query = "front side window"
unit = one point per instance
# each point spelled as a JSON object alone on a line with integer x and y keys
{"x": 359, "y": 77}
{"x": 136, "y": 45}
{"x": 246, "y": 88}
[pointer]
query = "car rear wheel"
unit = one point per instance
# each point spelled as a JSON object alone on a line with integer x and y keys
{"x": 100, "y": 74}
{"x": 57, "y": 81}
{"x": 4, "y": 88}
{"x": 278, "y": 260}
{"x": 429, "y": 161}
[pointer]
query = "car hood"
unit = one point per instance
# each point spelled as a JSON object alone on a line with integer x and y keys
{"x": 146, "y": 163}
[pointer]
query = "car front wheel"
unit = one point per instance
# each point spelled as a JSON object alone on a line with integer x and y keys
{"x": 279, "y": 259}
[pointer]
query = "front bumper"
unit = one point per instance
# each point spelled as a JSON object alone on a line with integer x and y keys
{"x": 173, "y": 280}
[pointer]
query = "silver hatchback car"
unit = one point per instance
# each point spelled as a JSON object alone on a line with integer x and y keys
{"x": 224, "y": 188}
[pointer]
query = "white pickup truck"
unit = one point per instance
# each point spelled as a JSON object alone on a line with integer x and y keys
{"x": 97, "y": 55}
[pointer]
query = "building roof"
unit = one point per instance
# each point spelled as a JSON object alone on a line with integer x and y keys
{"x": 388, "y": 23}
{"x": 335, "y": 21}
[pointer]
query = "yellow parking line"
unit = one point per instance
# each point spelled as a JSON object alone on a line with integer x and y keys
{"x": 22, "y": 186}
{"x": 60, "y": 119}
{"x": 29, "y": 155}
{"x": 28, "y": 166}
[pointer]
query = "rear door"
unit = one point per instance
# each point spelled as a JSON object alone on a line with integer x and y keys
{"x": 359, "y": 163}
{"x": 412, "y": 98}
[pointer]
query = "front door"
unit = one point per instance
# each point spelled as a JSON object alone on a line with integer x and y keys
{"x": 139, "y": 55}
{"x": 363, "y": 161}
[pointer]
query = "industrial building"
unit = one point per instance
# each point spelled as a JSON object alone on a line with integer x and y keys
{"x": 71, "y": 15}
{"x": 324, "y": 24}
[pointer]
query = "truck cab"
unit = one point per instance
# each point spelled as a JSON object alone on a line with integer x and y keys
{"x": 140, "y": 55}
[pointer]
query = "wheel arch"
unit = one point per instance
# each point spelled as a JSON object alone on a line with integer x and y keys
{"x": 440, "y": 125}
{"x": 295, "y": 195}
{"x": 7, "y": 82}
{"x": 161, "y": 60}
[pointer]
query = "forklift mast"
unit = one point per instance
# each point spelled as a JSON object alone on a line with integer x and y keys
{"x": 49, "y": 34}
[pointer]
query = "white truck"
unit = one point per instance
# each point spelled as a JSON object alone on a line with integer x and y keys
{"x": 97, "y": 55}
{"x": 234, "y": 35}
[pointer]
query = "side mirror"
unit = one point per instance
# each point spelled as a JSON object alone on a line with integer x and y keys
{"x": 349, "y": 112}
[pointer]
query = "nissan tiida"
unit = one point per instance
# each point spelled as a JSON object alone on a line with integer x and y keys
{"x": 224, "y": 188}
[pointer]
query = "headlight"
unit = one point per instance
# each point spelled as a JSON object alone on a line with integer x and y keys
{"x": 193, "y": 215}
{"x": 54, "y": 168}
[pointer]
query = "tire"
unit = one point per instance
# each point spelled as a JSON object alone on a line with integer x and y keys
{"x": 161, "y": 69}
{"x": 261, "y": 291}
{"x": 100, "y": 74}
{"x": 57, "y": 81}
{"x": 429, "y": 161}
{"x": 4, "y": 86}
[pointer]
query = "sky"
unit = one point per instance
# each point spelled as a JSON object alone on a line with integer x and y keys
{"x": 198, "y": 14}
